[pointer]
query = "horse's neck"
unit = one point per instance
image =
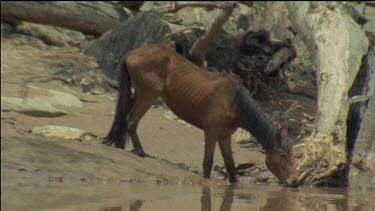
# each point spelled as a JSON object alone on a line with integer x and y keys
{"x": 253, "y": 119}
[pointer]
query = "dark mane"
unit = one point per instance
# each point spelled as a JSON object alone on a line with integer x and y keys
{"x": 253, "y": 119}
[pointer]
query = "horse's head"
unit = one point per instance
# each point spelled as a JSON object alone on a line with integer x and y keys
{"x": 280, "y": 160}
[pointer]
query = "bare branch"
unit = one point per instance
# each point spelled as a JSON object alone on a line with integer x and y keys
{"x": 280, "y": 57}
{"x": 196, "y": 51}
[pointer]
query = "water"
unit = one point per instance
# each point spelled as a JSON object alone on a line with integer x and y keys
{"x": 207, "y": 197}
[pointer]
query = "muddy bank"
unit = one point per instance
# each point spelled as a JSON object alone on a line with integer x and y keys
{"x": 43, "y": 161}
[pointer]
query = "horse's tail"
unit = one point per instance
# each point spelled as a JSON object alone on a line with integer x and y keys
{"x": 118, "y": 130}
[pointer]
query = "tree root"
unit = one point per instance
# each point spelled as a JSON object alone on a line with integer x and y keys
{"x": 320, "y": 161}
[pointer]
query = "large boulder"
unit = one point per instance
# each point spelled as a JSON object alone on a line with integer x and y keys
{"x": 112, "y": 47}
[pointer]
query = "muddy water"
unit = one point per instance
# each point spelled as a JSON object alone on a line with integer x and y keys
{"x": 205, "y": 197}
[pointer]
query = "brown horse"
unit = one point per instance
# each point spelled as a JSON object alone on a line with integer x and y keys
{"x": 213, "y": 102}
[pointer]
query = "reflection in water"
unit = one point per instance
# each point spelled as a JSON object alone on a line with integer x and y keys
{"x": 206, "y": 197}
{"x": 227, "y": 198}
{"x": 284, "y": 199}
{"x": 281, "y": 200}
{"x": 135, "y": 206}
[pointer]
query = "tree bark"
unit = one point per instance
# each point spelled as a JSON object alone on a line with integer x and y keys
{"x": 92, "y": 18}
{"x": 324, "y": 152}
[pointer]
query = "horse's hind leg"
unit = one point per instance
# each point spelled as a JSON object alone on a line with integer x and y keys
{"x": 226, "y": 150}
{"x": 209, "y": 150}
{"x": 143, "y": 102}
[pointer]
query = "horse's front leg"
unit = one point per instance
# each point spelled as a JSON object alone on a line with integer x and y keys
{"x": 226, "y": 150}
{"x": 209, "y": 150}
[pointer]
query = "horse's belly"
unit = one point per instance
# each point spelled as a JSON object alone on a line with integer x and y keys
{"x": 185, "y": 110}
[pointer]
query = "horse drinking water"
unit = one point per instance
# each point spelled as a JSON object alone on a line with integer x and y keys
{"x": 213, "y": 102}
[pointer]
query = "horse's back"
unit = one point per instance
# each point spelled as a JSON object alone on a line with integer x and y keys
{"x": 192, "y": 93}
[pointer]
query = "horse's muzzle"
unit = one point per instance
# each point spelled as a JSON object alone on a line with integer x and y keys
{"x": 291, "y": 182}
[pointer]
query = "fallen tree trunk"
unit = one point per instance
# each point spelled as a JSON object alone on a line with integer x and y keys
{"x": 337, "y": 60}
{"x": 92, "y": 18}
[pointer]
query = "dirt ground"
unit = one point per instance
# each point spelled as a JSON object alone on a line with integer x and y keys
{"x": 175, "y": 149}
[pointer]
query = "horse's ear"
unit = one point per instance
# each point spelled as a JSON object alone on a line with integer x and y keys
{"x": 285, "y": 141}
{"x": 283, "y": 132}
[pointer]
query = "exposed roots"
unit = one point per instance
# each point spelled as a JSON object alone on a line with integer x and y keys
{"x": 320, "y": 162}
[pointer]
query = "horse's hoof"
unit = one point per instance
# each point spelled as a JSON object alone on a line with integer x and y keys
{"x": 140, "y": 154}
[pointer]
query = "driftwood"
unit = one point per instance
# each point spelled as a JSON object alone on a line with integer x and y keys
{"x": 92, "y": 18}
{"x": 196, "y": 52}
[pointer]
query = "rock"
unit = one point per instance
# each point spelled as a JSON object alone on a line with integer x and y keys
{"x": 241, "y": 135}
{"x": 57, "y": 131}
{"x": 89, "y": 78}
{"x": 30, "y": 107}
{"x": 40, "y": 102}
{"x": 52, "y": 35}
{"x": 6, "y": 29}
{"x": 87, "y": 137}
{"x": 111, "y": 48}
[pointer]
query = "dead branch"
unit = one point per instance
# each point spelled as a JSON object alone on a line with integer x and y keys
{"x": 279, "y": 58}
{"x": 196, "y": 51}
{"x": 179, "y": 35}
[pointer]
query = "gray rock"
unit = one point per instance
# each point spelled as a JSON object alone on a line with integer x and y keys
{"x": 89, "y": 79}
{"x": 6, "y": 29}
{"x": 30, "y": 107}
{"x": 240, "y": 136}
{"x": 40, "y": 102}
{"x": 112, "y": 47}
{"x": 58, "y": 131}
